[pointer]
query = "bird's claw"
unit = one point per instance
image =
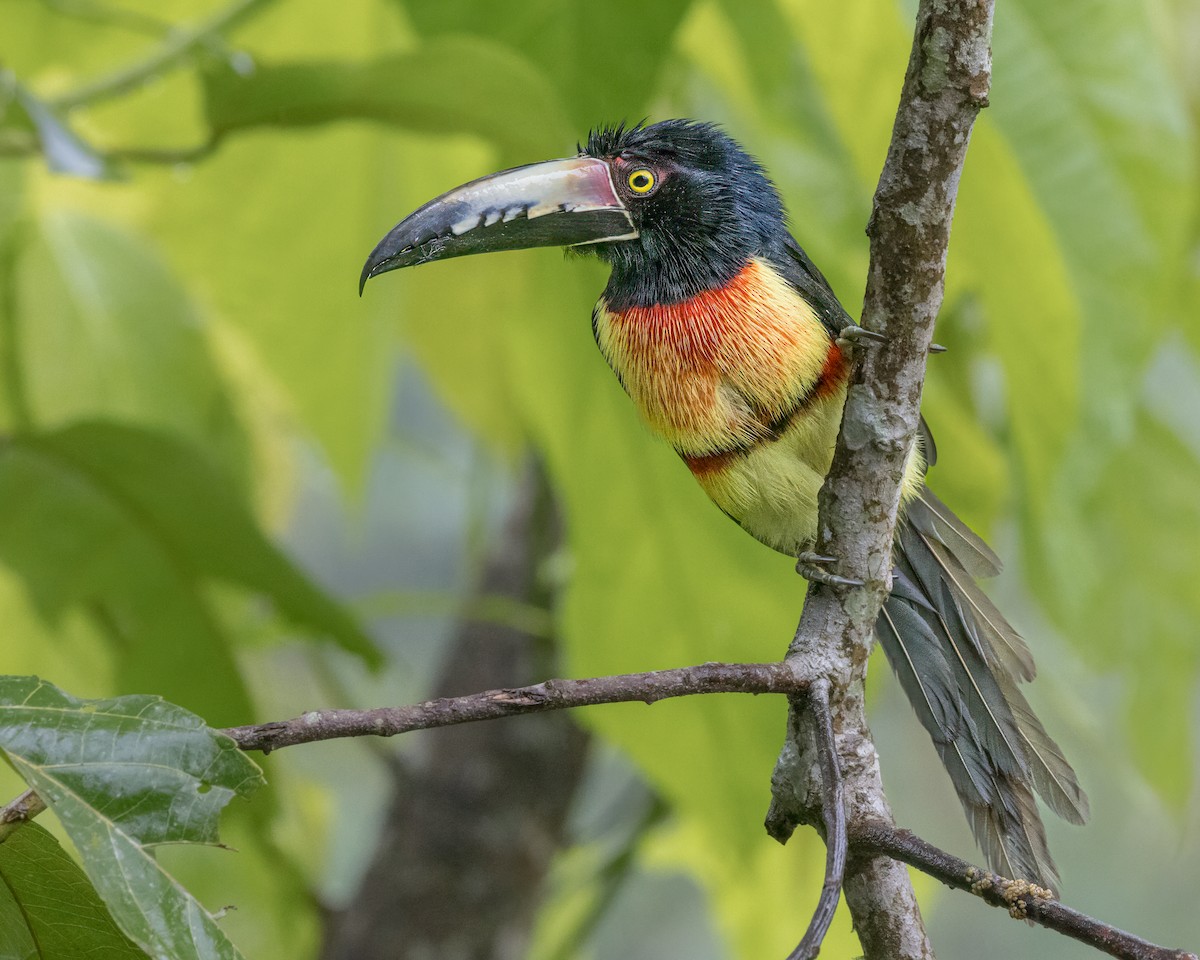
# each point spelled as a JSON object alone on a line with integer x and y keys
{"x": 853, "y": 336}
{"x": 811, "y": 566}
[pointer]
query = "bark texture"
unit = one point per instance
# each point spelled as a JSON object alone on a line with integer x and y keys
{"x": 946, "y": 84}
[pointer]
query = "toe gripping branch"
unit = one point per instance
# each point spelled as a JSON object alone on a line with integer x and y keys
{"x": 811, "y": 566}
{"x": 852, "y": 336}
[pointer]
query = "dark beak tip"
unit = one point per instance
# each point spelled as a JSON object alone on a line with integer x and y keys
{"x": 370, "y": 269}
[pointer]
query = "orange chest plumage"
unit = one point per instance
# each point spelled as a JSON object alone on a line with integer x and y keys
{"x": 724, "y": 370}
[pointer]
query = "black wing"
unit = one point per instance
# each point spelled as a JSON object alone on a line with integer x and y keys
{"x": 794, "y": 266}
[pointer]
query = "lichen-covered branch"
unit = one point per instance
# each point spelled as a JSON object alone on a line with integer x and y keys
{"x": 21, "y": 810}
{"x": 549, "y": 695}
{"x": 945, "y": 86}
{"x": 1021, "y": 899}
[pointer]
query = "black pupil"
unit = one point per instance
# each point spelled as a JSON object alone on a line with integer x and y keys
{"x": 641, "y": 180}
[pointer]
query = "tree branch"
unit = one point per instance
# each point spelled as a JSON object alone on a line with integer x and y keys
{"x": 945, "y": 86}
{"x": 16, "y": 812}
{"x": 868, "y": 839}
{"x": 549, "y": 695}
{"x": 179, "y": 44}
{"x": 833, "y": 814}
{"x": 1021, "y": 899}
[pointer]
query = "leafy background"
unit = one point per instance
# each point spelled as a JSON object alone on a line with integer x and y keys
{"x": 228, "y": 481}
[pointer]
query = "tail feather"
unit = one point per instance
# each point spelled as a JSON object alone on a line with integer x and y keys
{"x": 1001, "y": 641}
{"x": 939, "y": 521}
{"x": 1053, "y": 777}
{"x": 965, "y": 558}
{"x": 960, "y": 662}
{"x": 1014, "y": 841}
{"x": 929, "y": 682}
{"x": 975, "y": 681}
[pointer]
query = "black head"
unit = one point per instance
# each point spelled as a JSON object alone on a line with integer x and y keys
{"x": 702, "y": 207}
{"x": 676, "y": 207}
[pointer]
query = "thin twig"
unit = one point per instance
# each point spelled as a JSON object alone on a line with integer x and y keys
{"x": 111, "y": 16}
{"x": 177, "y": 47}
{"x": 549, "y": 695}
{"x": 27, "y": 806}
{"x": 1020, "y": 898}
{"x": 833, "y": 812}
{"x": 164, "y": 156}
{"x": 22, "y": 143}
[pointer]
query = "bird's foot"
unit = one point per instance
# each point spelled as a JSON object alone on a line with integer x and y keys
{"x": 852, "y": 336}
{"x": 811, "y": 566}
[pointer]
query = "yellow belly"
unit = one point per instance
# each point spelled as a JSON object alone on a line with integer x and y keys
{"x": 771, "y": 490}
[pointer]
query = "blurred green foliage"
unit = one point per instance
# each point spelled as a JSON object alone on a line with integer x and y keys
{"x": 182, "y": 357}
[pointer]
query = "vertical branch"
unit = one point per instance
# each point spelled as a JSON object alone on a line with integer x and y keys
{"x": 944, "y": 88}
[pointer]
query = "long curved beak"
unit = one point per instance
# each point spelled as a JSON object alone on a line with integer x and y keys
{"x": 558, "y": 203}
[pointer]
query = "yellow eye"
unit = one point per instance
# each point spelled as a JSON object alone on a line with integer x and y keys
{"x": 641, "y": 181}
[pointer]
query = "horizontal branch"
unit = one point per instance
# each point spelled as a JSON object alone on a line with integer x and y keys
{"x": 866, "y": 839}
{"x": 549, "y": 695}
{"x": 1020, "y": 898}
{"x": 25, "y": 807}
{"x": 872, "y": 839}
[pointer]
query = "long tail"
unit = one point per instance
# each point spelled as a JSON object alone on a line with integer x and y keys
{"x": 959, "y": 662}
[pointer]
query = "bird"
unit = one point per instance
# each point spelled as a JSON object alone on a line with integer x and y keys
{"x": 736, "y": 351}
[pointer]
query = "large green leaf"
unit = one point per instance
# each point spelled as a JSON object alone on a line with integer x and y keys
{"x": 603, "y": 58}
{"x": 49, "y": 910}
{"x": 1111, "y": 162}
{"x": 1099, "y": 126}
{"x": 273, "y": 230}
{"x": 122, "y": 776}
{"x": 456, "y": 85}
{"x": 108, "y": 331}
{"x": 1143, "y": 621}
{"x": 131, "y": 524}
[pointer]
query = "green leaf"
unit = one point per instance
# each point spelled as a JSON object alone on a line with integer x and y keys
{"x": 123, "y": 775}
{"x": 116, "y": 335}
{"x": 1099, "y": 126}
{"x": 49, "y": 910}
{"x": 1002, "y": 245}
{"x": 131, "y": 524}
{"x": 574, "y": 45}
{"x": 455, "y": 85}
{"x": 1139, "y": 614}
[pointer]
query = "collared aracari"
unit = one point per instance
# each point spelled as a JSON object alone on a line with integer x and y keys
{"x": 731, "y": 344}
